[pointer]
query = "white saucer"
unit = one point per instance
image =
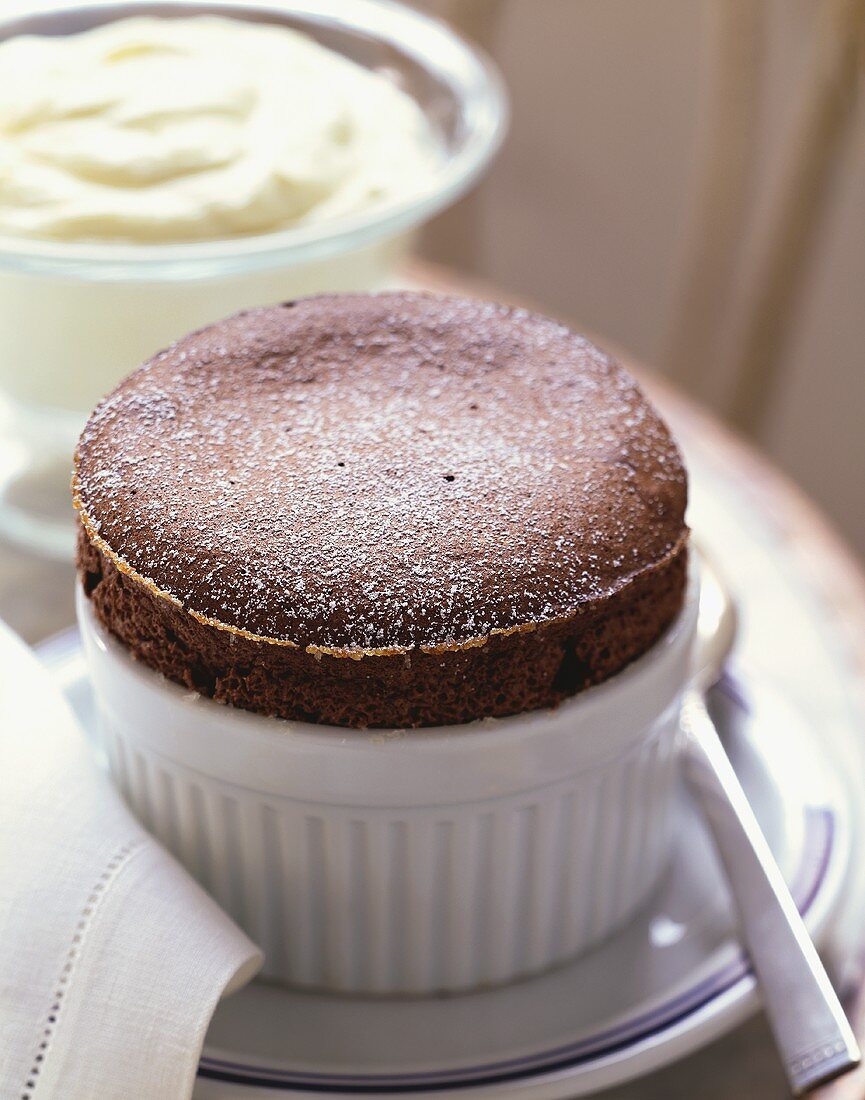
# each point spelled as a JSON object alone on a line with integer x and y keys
{"x": 671, "y": 982}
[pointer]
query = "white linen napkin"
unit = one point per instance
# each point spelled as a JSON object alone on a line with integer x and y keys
{"x": 112, "y": 958}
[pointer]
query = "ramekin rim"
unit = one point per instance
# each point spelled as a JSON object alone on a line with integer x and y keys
{"x": 679, "y": 633}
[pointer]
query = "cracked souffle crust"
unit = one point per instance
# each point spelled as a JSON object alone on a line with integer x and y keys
{"x": 390, "y": 478}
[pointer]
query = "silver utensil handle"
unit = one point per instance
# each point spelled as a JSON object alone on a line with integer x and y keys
{"x": 812, "y": 1033}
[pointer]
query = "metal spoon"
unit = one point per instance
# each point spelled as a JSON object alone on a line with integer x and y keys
{"x": 811, "y": 1031}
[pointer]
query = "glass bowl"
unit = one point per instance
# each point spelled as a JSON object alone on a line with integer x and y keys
{"x": 76, "y": 317}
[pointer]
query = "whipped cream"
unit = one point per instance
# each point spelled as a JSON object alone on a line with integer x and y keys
{"x": 154, "y": 130}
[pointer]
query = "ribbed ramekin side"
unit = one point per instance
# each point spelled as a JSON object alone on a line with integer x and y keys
{"x": 420, "y": 899}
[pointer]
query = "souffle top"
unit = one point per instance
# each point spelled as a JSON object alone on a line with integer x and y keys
{"x": 372, "y": 474}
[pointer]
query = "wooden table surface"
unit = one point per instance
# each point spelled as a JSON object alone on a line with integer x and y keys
{"x": 36, "y": 600}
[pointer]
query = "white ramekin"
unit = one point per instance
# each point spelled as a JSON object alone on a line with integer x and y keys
{"x": 408, "y": 861}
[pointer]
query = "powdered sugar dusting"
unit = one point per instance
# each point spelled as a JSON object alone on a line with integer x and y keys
{"x": 387, "y": 471}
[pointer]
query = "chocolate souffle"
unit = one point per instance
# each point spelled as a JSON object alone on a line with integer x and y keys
{"x": 393, "y": 510}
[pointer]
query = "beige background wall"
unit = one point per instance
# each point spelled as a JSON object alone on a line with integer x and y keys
{"x": 592, "y": 208}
